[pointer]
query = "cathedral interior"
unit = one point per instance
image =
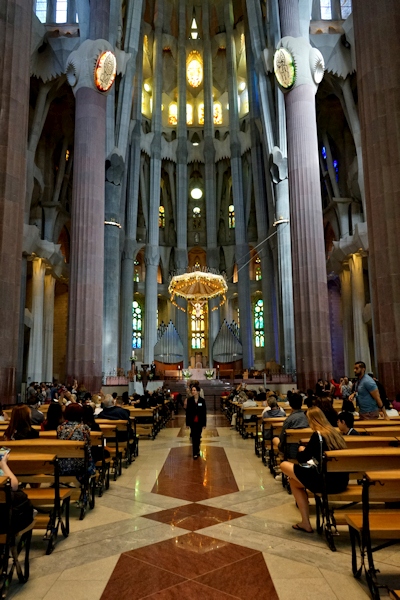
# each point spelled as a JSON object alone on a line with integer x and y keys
{"x": 148, "y": 138}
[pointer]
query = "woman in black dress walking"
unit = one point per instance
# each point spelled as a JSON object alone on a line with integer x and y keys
{"x": 196, "y": 417}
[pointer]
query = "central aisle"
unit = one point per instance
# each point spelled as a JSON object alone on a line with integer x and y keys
{"x": 171, "y": 527}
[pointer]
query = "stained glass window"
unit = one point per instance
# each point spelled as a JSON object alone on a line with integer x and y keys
{"x": 231, "y": 216}
{"x": 61, "y": 11}
{"x": 345, "y": 6}
{"x": 197, "y": 323}
{"x": 259, "y": 323}
{"x": 194, "y": 70}
{"x": 41, "y": 10}
{"x": 189, "y": 114}
{"x": 326, "y": 9}
{"x": 200, "y": 114}
{"x": 136, "y": 325}
{"x": 161, "y": 217}
{"x": 217, "y": 113}
{"x": 258, "y": 268}
{"x": 173, "y": 114}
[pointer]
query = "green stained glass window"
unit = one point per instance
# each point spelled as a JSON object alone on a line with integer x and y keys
{"x": 136, "y": 325}
{"x": 259, "y": 323}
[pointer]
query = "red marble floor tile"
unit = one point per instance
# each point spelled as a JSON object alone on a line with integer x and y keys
{"x": 192, "y": 555}
{"x": 190, "y": 590}
{"x": 208, "y": 477}
{"x": 193, "y": 516}
{"x": 135, "y": 579}
{"x": 247, "y": 578}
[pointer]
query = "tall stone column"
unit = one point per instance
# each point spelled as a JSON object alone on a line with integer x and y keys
{"x": 311, "y": 310}
{"x": 48, "y": 327}
{"x": 212, "y": 217}
{"x": 85, "y": 324}
{"x": 181, "y": 257}
{"x": 132, "y": 200}
{"x": 361, "y": 343}
{"x": 242, "y": 247}
{"x": 376, "y": 39}
{"x": 35, "y": 356}
{"x": 347, "y": 321}
{"x": 115, "y": 168}
{"x": 152, "y": 255}
{"x": 336, "y": 327}
{"x": 15, "y": 35}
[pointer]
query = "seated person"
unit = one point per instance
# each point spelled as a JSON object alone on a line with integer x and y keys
{"x": 249, "y": 403}
{"x": 54, "y": 417}
{"x": 125, "y": 399}
{"x": 73, "y": 429}
{"x": 112, "y": 412}
{"x": 325, "y": 404}
{"x": 304, "y": 476}
{"x": 390, "y": 410}
{"x": 270, "y": 412}
{"x": 273, "y": 409}
{"x": 3, "y": 416}
{"x": 296, "y": 420}
{"x": 396, "y": 403}
{"x": 37, "y": 417}
{"x": 20, "y": 426}
{"x": 346, "y": 424}
{"x": 143, "y": 403}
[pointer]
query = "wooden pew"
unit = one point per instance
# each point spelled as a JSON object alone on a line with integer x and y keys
{"x": 143, "y": 428}
{"x": 11, "y": 542}
{"x": 52, "y": 502}
{"x": 273, "y": 426}
{"x": 349, "y": 461}
{"x": 367, "y": 525}
{"x": 85, "y": 493}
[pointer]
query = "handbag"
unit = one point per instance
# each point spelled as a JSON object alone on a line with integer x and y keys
{"x": 315, "y": 463}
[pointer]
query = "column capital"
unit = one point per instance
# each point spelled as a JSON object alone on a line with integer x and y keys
{"x": 81, "y": 66}
{"x": 307, "y": 62}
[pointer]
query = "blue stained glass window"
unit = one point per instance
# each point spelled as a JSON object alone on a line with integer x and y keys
{"x": 323, "y": 151}
{"x": 336, "y": 167}
{"x": 259, "y": 323}
{"x": 136, "y": 325}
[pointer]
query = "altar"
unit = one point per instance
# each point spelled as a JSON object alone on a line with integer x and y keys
{"x": 199, "y": 374}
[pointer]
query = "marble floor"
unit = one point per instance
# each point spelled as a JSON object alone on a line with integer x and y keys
{"x": 215, "y": 528}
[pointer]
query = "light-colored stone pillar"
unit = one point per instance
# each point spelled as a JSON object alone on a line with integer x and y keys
{"x": 242, "y": 247}
{"x": 182, "y": 318}
{"x": 48, "y": 327}
{"x": 347, "y": 321}
{"x": 361, "y": 343}
{"x": 35, "y": 356}
{"x": 377, "y": 45}
{"x": 15, "y": 35}
{"x": 210, "y": 177}
{"x": 311, "y": 310}
{"x": 152, "y": 256}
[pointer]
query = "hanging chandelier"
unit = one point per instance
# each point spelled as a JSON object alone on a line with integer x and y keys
{"x": 197, "y": 286}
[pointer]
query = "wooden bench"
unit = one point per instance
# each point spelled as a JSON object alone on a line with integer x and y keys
{"x": 273, "y": 426}
{"x": 350, "y": 461}
{"x": 63, "y": 449}
{"x": 51, "y": 502}
{"x": 12, "y": 543}
{"x": 378, "y": 486}
{"x": 144, "y": 428}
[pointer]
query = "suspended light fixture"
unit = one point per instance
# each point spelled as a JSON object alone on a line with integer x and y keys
{"x": 197, "y": 287}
